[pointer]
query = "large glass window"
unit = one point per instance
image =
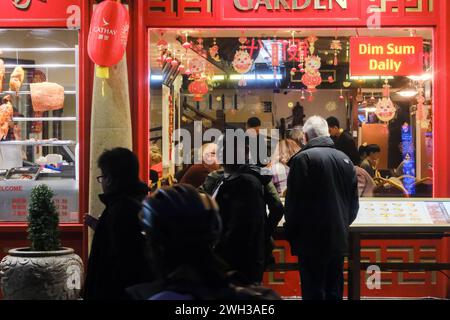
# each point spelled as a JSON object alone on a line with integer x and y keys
{"x": 224, "y": 77}
{"x": 38, "y": 119}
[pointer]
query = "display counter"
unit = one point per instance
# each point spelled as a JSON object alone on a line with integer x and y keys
{"x": 405, "y": 238}
{"x": 405, "y": 220}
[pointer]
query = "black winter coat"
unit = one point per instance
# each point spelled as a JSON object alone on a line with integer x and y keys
{"x": 117, "y": 258}
{"x": 243, "y": 211}
{"x": 322, "y": 200}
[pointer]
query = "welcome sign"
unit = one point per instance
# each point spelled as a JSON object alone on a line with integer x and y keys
{"x": 386, "y": 56}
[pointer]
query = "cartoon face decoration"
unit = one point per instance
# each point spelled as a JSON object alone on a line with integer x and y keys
{"x": 312, "y": 78}
{"x": 196, "y": 67}
{"x": 242, "y": 62}
{"x": 385, "y": 109}
{"x": 312, "y": 65}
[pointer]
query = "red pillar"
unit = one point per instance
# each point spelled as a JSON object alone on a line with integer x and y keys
{"x": 441, "y": 119}
{"x": 85, "y": 93}
{"x": 139, "y": 85}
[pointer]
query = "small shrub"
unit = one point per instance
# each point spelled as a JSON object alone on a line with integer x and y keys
{"x": 43, "y": 220}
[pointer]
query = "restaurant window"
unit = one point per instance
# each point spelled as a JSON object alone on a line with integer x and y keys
{"x": 38, "y": 120}
{"x": 223, "y": 77}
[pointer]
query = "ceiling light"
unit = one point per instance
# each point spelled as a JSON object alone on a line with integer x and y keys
{"x": 408, "y": 93}
{"x": 423, "y": 77}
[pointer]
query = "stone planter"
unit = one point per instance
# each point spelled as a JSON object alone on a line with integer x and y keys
{"x": 41, "y": 275}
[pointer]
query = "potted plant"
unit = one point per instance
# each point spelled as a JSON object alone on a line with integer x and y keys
{"x": 44, "y": 271}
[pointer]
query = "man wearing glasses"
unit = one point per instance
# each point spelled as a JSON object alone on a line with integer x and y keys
{"x": 117, "y": 259}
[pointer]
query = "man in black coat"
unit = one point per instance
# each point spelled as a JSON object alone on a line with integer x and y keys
{"x": 321, "y": 203}
{"x": 117, "y": 258}
{"x": 343, "y": 140}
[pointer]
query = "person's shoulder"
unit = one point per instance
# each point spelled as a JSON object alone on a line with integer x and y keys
{"x": 171, "y": 296}
{"x": 249, "y": 178}
{"x": 346, "y": 135}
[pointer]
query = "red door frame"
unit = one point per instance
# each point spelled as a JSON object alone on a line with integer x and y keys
{"x": 438, "y": 20}
{"x": 54, "y": 14}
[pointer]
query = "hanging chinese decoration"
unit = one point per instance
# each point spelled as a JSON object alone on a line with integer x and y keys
{"x": 385, "y": 109}
{"x": 422, "y": 110}
{"x": 196, "y": 68}
{"x": 171, "y": 125}
{"x": 186, "y": 45}
{"x": 312, "y": 41}
{"x": 336, "y": 46}
{"x": 214, "y": 51}
{"x": 108, "y": 36}
{"x": 198, "y": 88}
{"x": 312, "y": 78}
{"x": 303, "y": 53}
{"x": 242, "y": 62}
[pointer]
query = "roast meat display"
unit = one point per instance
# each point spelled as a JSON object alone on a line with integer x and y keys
{"x": 6, "y": 113}
{"x": 2, "y": 74}
{"x": 47, "y": 96}
{"x": 16, "y": 80}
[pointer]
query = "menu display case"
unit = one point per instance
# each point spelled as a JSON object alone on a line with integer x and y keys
{"x": 38, "y": 119}
{"x": 424, "y": 215}
{"x": 401, "y": 219}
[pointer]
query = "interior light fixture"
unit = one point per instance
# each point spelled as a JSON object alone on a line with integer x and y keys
{"x": 423, "y": 77}
{"x": 407, "y": 93}
{"x": 371, "y": 78}
{"x": 237, "y": 77}
{"x": 218, "y": 78}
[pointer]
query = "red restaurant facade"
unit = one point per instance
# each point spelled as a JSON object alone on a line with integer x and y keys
{"x": 245, "y": 14}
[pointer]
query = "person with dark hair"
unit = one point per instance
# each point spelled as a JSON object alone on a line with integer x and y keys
{"x": 255, "y": 123}
{"x": 343, "y": 140}
{"x": 243, "y": 241}
{"x": 370, "y": 163}
{"x": 258, "y": 145}
{"x": 182, "y": 227}
{"x": 362, "y": 151}
{"x": 117, "y": 258}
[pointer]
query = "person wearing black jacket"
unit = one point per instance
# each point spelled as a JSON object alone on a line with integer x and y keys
{"x": 240, "y": 196}
{"x": 271, "y": 198}
{"x": 343, "y": 140}
{"x": 321, "y": 203}
{"x": 117, "y": 258}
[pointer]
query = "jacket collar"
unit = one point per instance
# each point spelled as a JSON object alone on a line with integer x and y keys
{"x": 320, "y": 142}
{"x": 140, "y": 189}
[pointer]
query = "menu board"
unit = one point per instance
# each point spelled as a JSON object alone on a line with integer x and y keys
{"x": 403, "y": 213}
{"x": 15, "y": 195}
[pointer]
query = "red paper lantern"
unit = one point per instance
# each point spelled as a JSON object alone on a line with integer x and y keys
{"x": 311, "y": 81}
{"x": 198, "y": 88}
{"x": 108, "y": 35}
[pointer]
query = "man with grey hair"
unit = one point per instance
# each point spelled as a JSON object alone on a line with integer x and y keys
{"x": 321, "y": 203}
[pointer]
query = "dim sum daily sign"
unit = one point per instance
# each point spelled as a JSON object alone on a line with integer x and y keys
{"x": 386, "y": 56}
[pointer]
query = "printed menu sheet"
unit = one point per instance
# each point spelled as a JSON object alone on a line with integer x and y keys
{"x": 403, "y": 213}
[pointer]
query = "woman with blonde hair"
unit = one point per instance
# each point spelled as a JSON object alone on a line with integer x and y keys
{"x": 284, "y": 151}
